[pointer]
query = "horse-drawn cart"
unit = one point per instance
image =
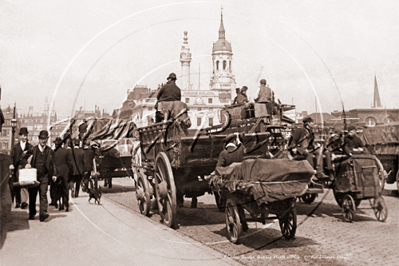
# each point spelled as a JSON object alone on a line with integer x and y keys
{"x": 262, "y": 187}
{"x": 173, "y": 161}
{"x": 357, "y": 179}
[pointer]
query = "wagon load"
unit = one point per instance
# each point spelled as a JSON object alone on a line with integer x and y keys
{"x": 267, "y": 180}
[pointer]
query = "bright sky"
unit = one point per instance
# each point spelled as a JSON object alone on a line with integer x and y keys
{"x": 87, "y": 53}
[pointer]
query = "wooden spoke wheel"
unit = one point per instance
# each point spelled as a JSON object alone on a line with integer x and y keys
{"x": 288, "y": 224}
{"x": 397, "y": 181}
{"x": 233, "y": 222}
{"x": 136, "y": 163}
{"x": 348, "y": 208}
{"x": 220, "y": 201}
{"x": 143, "y": 194}
{"x": 380, "y": 209}
{"x": 308, "y": 198}
{"x": 338, "y": 197}
{"x": 165, "y": 190}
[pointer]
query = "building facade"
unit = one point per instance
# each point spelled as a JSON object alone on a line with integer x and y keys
{"x": 6, "y": 138}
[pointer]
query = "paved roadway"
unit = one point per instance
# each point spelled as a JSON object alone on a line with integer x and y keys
{"x": 99, "y": 235}
{"x": 322, "y": 238}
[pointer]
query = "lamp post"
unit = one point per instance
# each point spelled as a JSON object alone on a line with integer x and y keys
{"x": 13, "y": 126}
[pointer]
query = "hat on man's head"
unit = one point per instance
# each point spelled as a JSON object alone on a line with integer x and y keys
{"x": 57, "y": 141}
{"x": 307, "y": 119}
{"x": 43, "y": 134}
{"x": 262, "y": 81}
{"x": 244, "y": 88}
{"x": 23, "y": 131}
{"x": 350, "y": 128}
{"x": 337, "y": 131}
{"x": 229, "y": 138}
{"x": 237, "y": 89}
{"x": 172, "y": 76}
{"x": 76, "y": 142}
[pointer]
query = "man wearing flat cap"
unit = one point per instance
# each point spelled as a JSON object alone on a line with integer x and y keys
{"x": 353, "y": 144}
{"x": 242, "y": 97}
{"x": 265, "y": 95}
{"x": 42, "y": 160}
{"x": 19, "y": 154}
{"x": 233, "y": 152}
{"x": 302, "y": 146}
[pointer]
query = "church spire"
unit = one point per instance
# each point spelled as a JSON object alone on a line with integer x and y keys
{"x": 221, "y": 28}
{"x": 376, "y": 100}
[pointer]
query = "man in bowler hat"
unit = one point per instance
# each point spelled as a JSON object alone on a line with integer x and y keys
{"x": 42, "y": 160}
{"x": 168, "y": 93}
{"x": 19, "y": 154}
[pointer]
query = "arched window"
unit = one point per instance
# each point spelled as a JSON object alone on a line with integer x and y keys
{"x": 230, "y": 66}
{"x": 388, "y": 120}
{"x": 224, "y": 64}
{"x": 217, "y": 65}
{"x": 370, "y": 121}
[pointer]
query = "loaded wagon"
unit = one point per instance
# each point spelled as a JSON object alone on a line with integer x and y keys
{"x": 172, "y": 160}
{"x": 384, "y": 143}
{"x": 262, "y": 187}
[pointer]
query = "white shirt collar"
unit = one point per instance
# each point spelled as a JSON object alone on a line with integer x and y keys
{"x": 41, "y": 148}
{"x": 23, "y": 145}
{"x": 231, "y": 144}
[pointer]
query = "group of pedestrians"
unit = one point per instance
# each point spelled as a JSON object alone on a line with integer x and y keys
{"x": 63, "y": 168}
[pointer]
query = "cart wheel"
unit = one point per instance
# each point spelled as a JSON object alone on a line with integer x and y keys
{"x": 308, "y": 198}
{"x": 338, "y": 197}
{"x": 348, "y": 208}
{"x": 233, "y": 222}
{"x": 143, "y": 195}
{"x": 397, "y": 181}
{"x": 288, "y": 224}
{"x": 165, "y": 190}
{"x": 220, "y": 201}
{"x": 380, "y": 209}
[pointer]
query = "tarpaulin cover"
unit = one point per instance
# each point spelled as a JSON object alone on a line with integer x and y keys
{"x": 267, "y": 180}
{"x": 382, "y": 134}
{"x": 358, "y": 173}
{"x": 114, "y": 130}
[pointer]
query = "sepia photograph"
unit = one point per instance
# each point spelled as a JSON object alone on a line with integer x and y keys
{"x": 171, "y": 132}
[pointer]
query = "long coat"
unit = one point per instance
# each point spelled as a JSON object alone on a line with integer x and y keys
{"x": 77, "y": 161}
{"x": 88, "y": 160}
{"x": 19, "y": 158}
{"x": 63, "y": 162}
{"x": 169, "y": 92}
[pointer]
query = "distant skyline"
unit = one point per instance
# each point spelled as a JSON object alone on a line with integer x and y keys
{"x": 87, "y": 53}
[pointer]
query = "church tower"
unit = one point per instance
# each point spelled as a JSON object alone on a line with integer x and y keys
{"x": 222, "y": 80}
{"x": 185, "y": 59}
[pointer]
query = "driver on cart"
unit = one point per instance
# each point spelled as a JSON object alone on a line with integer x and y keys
{"x": 353, "y": 144}
{"x": 233, "y": 152}
{"x": 303, "y": 148}
{"x": 168, "y": 93}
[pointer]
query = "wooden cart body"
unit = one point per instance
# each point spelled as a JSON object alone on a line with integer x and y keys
{"x": 175, "y": 160}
